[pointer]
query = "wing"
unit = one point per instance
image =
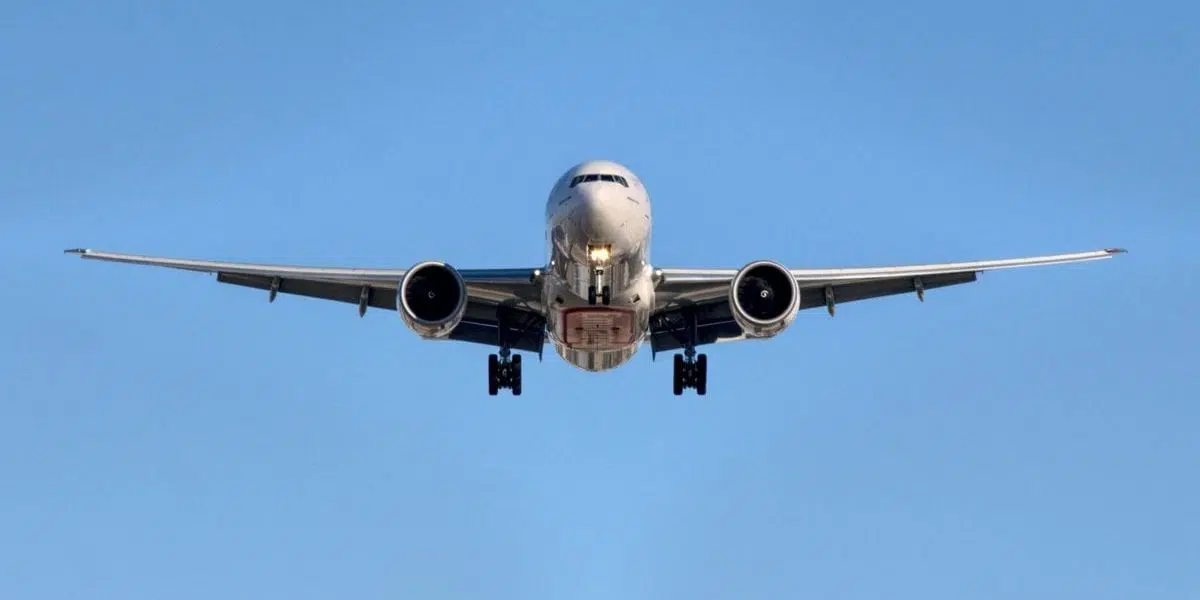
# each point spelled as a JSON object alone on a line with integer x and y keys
{"x": 511, "y": 296}
{"x": 704, "y": 292}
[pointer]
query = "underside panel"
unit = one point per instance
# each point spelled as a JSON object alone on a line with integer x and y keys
{"x": 670, "y": 330}
{"x": 596, "y": 328}
{"x": 378, "y": 297}
{"x": 488, "y": 334}
{"x": 813, "y": 297}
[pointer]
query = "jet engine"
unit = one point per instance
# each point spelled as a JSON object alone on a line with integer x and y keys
{"x": 432, "y": 299}
{"x": 764, "y": 298}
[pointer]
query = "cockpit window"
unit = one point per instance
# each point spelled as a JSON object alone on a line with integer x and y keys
{"x": 578, "y": 179}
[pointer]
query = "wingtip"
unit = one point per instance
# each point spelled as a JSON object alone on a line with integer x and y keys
{"x": 76, "y": 251}
{"x": 1116, "y": 250}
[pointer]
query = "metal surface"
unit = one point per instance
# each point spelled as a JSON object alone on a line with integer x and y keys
{"x": 598, "y": 240}
{"x": 587, "y": 216}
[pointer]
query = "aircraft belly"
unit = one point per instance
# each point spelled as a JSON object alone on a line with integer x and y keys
{"x": 596, "y": 338}
{"x": 596, "y": 360}
{"x": 597, "y": 328}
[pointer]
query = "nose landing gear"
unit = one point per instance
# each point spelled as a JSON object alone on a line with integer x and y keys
{"x": 604, "y": 295}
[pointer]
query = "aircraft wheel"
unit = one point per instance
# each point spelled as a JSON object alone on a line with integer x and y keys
{"x": 678, "y": 375}
{"x": 701, "y": 374}
{"x": 591, "y": 294}
{"x": 514, "y": 374}
{"x": 604, "y": 293}
{"x": 493, "y": 374}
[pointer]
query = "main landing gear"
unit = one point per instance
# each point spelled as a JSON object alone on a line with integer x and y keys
{"x": 504, "y": 372}
{"x": 691, "y": 371}
{"x": 515, "y": 328}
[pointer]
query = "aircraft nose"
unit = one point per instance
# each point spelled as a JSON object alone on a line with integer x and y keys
{"x": 597, "y": 214}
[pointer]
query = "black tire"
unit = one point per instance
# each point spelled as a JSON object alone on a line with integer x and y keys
{"x": 604, "y": 293}
{"x": 493, "y": 374}
{"x": 677, "y": 386}
{"x": 515, "y": 374}
{"x": 591, "y": 294}
{"x": 702, "y": 374}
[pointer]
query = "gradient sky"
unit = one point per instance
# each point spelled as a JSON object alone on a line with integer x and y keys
{"x": 1032, "y": 435}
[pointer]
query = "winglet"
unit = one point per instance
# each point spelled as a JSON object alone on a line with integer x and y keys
{"x": 79, "y": 251}
{"x": 1116, "y": 250}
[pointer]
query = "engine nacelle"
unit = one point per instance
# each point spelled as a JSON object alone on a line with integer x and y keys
{"x": 432, "y": 299}
{"x": 764, "y": 298}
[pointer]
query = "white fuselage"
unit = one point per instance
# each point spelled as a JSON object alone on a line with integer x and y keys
{"x": 598, "y": 232}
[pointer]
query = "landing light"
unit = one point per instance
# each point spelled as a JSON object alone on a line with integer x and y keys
{"x": 599, "y": 254}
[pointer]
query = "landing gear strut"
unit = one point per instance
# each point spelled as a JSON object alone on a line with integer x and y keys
{"x": 504, "y": 372}
{"x": 604, "y": 294}
{"x": 691, "y": 369}
{"x": 514, "y": 328}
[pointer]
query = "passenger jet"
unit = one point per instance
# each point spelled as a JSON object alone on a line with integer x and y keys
{"x": 598, "y": 298}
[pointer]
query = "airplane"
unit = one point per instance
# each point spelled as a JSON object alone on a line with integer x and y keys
{"x": 598, "y": 298}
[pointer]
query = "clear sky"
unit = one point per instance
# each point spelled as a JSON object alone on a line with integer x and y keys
{"x": 1032, "y": 435}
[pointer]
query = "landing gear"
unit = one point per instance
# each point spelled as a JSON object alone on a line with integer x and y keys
{"x": 605, "y": 295}
{"x": 691, "y": 369}
{"x": 514, "y": 329}
{"x": 504, "y": 372}
{"x": 691, "y": 372}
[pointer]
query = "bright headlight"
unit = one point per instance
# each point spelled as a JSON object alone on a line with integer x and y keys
{"x": 599, "y": 254}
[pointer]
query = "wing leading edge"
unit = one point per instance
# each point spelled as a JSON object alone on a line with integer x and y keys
{"x": 703, "y": 293}
{"x": 494, "y": 296}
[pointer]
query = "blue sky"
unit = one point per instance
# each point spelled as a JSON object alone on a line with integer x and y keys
{"x": 1031, "y": 435}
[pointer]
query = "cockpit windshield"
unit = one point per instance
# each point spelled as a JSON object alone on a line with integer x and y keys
{"x": 599, "y": 177}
